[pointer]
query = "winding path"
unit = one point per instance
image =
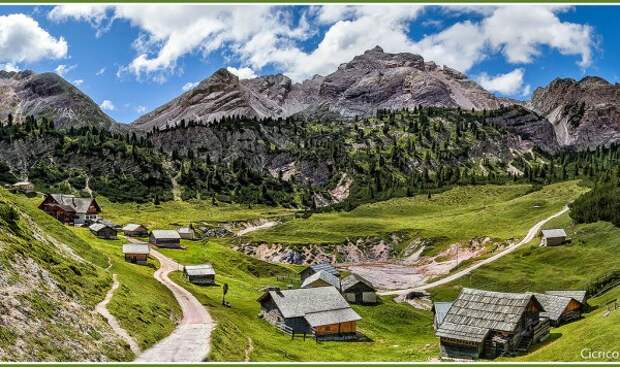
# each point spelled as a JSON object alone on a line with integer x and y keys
{"x": 450, "y": 278}
{"x": 191, "y": 340}
{"x": 102, "y": 309}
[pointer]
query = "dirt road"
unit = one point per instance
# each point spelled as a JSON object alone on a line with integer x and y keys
{"x": 102, "y": 309}
{"x": 191, "y": 340}
{"x": 258, "y": 227}
{"x": 530, "y": 236}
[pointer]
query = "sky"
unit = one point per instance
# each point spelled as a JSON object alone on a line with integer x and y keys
{"x": 132, "y": 58}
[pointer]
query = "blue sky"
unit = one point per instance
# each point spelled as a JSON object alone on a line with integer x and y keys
{"x": 132, "y": 58}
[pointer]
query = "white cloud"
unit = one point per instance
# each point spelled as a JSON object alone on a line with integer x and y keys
{"x": 141, "y": 109}
{"x": 100, "y": 71}
{"x": 23, "y": 40}
{"x": 189, "y": 85}
{"x": 509, "y": 84}
{"x": 261, "y": 35}
{"x": 242, "y": 73}
{"x": 107, "y": 105}
{"x": 9, "y": 67}
{"x": 62, "y": 69}
{"x": 78, "y": 82}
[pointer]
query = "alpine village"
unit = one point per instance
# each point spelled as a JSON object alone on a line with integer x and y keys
{"x": 338, "y": 219}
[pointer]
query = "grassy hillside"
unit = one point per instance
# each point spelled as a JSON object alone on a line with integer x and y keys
{"x": 500, "y": 212}
{"x": 397, "y": 331}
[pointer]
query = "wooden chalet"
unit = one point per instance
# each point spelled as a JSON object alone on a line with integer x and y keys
{"x": 165, "y": 238}
{"x": 321, "y": 279}
{"x": 187, "y": 233}
{"x": 578, "y": 295}
{"x": 553, "y": 237}
{"x": 69, "y": 209}
{"x": 135, "y": 230}
{"x": 356, "y": 289}
{"x": 321, "y": 312}
{"x": 200, "y": 274}
{"x": 491, "y": 324}
{"x": 24, "y": 187}
{"x": 559, "y": 309}
{"x": 440, "y": 310}
{"x": 315, "y": 268}
{"x": 137, "y": 253}
{"x": 103, "y": 230}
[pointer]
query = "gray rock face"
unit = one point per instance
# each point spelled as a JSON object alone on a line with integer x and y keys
{"x": 48, "y": 95}
{"x": 584, "y": 114}
{"x": 371, "y": 81}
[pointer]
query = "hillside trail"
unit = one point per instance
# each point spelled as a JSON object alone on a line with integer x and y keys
{"x": 102, "y": 309}
{"x": 191, "y": 340}
{"x": 253, "y": 228}
{"x": 450, "y": 278}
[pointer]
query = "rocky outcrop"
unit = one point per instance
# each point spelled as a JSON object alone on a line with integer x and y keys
{"x": 372, "y": 81}
{"x": 48, "y": 95}
{"x": 584, "y": 114}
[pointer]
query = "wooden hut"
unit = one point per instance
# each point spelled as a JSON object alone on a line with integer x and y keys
{"x": 491, "y": 324}
{"x": 440, "y": 310}
{"x": 321, "y": 279}
{"x": 104, "y": 231}
{"x": 322, "y": 312}
{"x": 553, "y": 237}
{"x": 187, "y": 233}
{"x": 165, "y": 238}
{"x": 137, "y": 253}
{"x": 135, "y": 230}
{"x": 559, "y": 309}
{"x": 70, "y": 209}
{"x": 315, "y": 268}
{"x": 358, "y": 290}
{"x": 580, "y": 296}
{"x": 200, "y": 274}
{"x": 24, "y": 187}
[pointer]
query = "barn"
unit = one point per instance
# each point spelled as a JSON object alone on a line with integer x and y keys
{"x": 356, "y": 289}
{"x": 200, "y": 274}
{"x": 69, "y": 209}
{"x": 187, "y": 233}
{"x": 553, "y": 237}
{"x": 135, "y": 230}
{"x": 104, "y": 231}
{"x": 165, "y": 238}
{"x": 559, "y": 309}
{"x": 321, "y": 279}
{"x": 137, "y": 253}
{"x": 315, "y": 268}
{"x": 321, "y": 312}
{"x": 491, "y": 324}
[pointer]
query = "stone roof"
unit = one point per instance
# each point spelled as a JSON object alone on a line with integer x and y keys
{"x": 554, "y": 305}
{"x": 185, "y": 230}
{"x": 165, "y": 234}
{"x": 332, "y": 317}
{"x": 476, "y": 312}
{"x": 352, "y": 280}
{"x": 96, "y": 227}
{"x": 299, "y": 302}
{"x": 136, "y": 248}
{"x": 202, "y": 269}
{"x": 324, "y": 276}
{"x": 80, "y": 205}
{"x": 553, "y": 233}
{"x": 133, "y": 227}
{"x": 441, "y": 310}
{"x": 579, "y": 296}
{"x": 325, "y": 267}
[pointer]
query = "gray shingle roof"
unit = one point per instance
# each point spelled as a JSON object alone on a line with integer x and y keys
{"x": 166, "y": 234}
{"x": 135, "y": 248}
{"x": 80, "y": 205}
{"x": 441, "y": 310}
{"x": 352, "y": 280}
{"x": 185, "y": 230}
{"x": 331, "y": 317}
{"x": 553, "y": 233}
{"x": 475, "y": 312}
{"x": 202, "y": 269}
{"x": 96, "y": 227}
{"x": 299, "y": 302}
{"x": 324, "y": 276}
{"x": 133, "y": 227}
{"x": 554, "y": 305}
{"x": 579, "y": 296}
{"x": 325, "y": 267}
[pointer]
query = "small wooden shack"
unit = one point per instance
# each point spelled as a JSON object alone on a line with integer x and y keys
{"x": 165, "y": 238}
{"x": 104, "y": 231}
{"x": 187, "y": 233}
{"x": 69, "y": 209}
{"x": 580, "y": 296}
{"x": 200, "y": 274}
{"x": 321, "y": 279}
{"x": 315, "y": 268}
{"x": 491, "y": 324}
{"x": 440, "y": 310}
{"x": 135, "y": 230}
{"x": 553, "y": 237}
{"x": 356, "y": 289}
{"x": 322, "y": 312}
{"x": 559, "y": 309}
{"x": 137, "y": 253}
{"x": 24, "y": 187}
